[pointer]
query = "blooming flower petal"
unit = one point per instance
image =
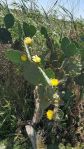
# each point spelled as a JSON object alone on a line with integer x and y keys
{"x": 28, "y": 41}
{"x": 36, "y": 59}
{"x": 50, "y": 114}
{"x": 54, "y": 82}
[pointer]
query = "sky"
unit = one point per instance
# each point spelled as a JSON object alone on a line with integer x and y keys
{"x": 74, "y": 6}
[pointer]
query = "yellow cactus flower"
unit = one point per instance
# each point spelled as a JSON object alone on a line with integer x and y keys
{"x": 24, "y": 57}
{"x": 36, "y": 59}
{"x": 50, "y": 114}
{"x": 54, "y": 82}
{"x": 28, "y": 41}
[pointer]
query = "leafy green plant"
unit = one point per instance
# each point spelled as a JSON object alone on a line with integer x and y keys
{"x": 69, "y": 48}
{"x": 29, "y": 30}
{"x": 9, "y": 20}
{"x": 5, "y": 36}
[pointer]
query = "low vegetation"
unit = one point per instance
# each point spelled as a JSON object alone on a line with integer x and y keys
{"x": 42, "y": 80}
